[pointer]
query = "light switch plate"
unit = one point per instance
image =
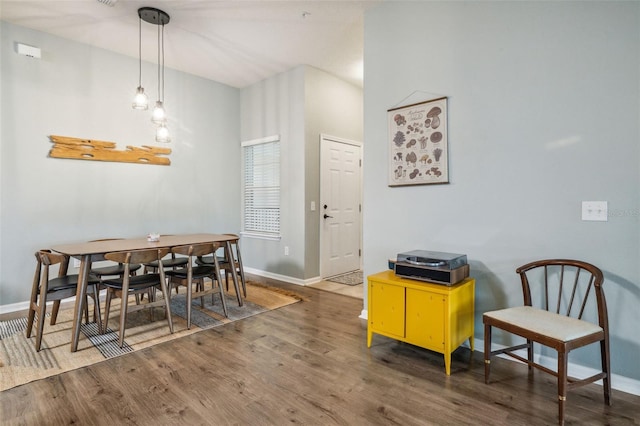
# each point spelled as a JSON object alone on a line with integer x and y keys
{"x": 595, "y": 211}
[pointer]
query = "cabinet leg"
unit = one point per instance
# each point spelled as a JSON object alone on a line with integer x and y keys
{"x": 471, "y": 342}
{"x": 369, "y": 335}
{"x": 447, "y": 363}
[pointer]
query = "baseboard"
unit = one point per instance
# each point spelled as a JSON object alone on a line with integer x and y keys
{"x": 284, "y": 278}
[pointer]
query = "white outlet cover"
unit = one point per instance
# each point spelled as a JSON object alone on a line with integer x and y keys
{"x": 595, "y": 211}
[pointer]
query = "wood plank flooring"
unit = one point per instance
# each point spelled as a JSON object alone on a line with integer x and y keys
{"x": 305, "y": 364}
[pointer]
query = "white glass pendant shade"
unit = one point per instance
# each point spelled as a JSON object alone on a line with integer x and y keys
{"x": 159, "y": 115}
{"x": 140, "y": 101}
{"x": 162, "y": 134}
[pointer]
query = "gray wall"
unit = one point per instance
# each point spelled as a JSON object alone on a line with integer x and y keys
{"x": 299, "y": 105}
{"x": 543, "y": 114}
{"x": 80, "y": 91}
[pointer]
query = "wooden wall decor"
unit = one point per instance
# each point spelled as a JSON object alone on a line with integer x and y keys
{"x": 89, "y": 149}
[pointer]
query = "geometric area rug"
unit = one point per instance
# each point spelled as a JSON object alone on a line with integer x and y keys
{"x": 20, "y": 363}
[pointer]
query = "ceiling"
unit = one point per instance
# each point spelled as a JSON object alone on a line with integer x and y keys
{"x": 235, "y": 42}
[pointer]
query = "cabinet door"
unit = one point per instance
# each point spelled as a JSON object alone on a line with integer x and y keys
{"x": 425, "y": 319}
{"x": 387, "y": 308}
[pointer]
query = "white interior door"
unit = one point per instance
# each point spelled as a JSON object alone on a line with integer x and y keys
{"x": 340, "y": 205}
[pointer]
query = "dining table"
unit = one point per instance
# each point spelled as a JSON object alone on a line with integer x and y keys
{"x": 93, "y": 251}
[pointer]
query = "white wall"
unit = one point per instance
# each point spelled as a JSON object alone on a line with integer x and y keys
{"x": 543, "y": 114}
{"x": 80, "y": 91}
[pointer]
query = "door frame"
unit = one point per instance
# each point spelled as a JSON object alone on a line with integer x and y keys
{"x": 323, "y": 139}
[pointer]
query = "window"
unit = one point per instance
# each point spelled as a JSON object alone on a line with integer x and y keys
{"x": 261, "y": 187}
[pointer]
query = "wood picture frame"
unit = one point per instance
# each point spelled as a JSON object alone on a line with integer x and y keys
{"x": 418, "y": 143}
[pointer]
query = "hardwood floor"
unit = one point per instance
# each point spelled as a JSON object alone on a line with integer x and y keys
{"x": 307, "y": 364}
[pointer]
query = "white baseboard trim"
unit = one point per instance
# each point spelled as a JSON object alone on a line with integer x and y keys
{"x": 285, "y": 278}
{"x": 14, "y": 307}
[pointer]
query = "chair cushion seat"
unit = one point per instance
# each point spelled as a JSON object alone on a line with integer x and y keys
{"x": 67, "y": 282}
{"x": 114, "y": 270}
{"x": 198, "y": 272}
{"x": 545, "y": 323}
{"x": 136, "y": 282}
{"x": 208, "y": 260}
{"x": 169, "y": 263}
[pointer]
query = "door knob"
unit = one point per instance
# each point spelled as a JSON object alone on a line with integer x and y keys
{"x": 326, "y": 216}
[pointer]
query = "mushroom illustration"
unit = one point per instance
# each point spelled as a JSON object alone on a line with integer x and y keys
{"x": 436, "y": 137}
{"x": 412, "y": 158}
{"x": 399, "y": 139}
{"x": 437, "y": 153}
{"x": 399, "y": 119}
{"x": 433, "y": 114}
{"x": 423, "y": 142}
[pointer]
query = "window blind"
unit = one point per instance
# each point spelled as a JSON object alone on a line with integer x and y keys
{"x": 261, "y": 187}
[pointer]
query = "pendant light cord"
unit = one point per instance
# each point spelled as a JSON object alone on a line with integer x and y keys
{"x": 159, "y": 98}
{"x": 139, "y": 52}
{"x": 162, "y": 63}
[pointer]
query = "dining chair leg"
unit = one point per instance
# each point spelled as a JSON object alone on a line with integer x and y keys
{"x": 42, "y": 310}
{"x": 562, "y": 385}
{"x": 229, "y": 255}
{"x": 96, "y": 307}
{"x": 54, "y": 312}
{"x": 34, "y": 300}
{"x": 224, "y": 302}
{"x": 606, "y": 382}
{"x": 200, "y": 288}
{"x": 167, "y": 303}
{"x": 123, "y": 312}
{"x": 107, "y": 308}
{"x": 189, "y": 293}
{"x": 487, "y": 352}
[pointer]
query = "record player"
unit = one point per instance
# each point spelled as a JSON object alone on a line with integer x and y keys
{"x": 432, "y": 266}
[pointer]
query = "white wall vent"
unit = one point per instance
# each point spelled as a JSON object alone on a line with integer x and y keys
{"x": 30, "y": 51}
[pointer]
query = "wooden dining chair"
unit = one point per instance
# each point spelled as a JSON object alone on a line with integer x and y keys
{"x": 46, "y": 289}
{"x": 127, "y": 285}
{"x": 196, "y": 275}
{"x": 116, "y": 269}
{"x": 113, "y": 270}
{"x": 172, "y": 262}
{"x": 558, "y": 313}
{"x": 226, "y": 264}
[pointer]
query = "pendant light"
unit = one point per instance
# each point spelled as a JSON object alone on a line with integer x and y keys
{"x": 159, "y": 115}
{"x": 140, "y": 101}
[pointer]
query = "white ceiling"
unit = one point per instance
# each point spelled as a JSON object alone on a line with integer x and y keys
{"x": 235, "y": 42}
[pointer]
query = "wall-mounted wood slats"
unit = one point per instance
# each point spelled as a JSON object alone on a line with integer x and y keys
{"x": 89, "y": 149}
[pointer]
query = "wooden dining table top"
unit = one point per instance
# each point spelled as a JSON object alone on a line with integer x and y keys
{"x": 126, "y": 244}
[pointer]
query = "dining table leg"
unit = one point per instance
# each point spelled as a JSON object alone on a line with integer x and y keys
{"x": 234, "y": 276}
{"x": 81, "y": 299}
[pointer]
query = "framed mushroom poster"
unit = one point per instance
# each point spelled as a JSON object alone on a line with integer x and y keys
{"x": 418, "y": 143}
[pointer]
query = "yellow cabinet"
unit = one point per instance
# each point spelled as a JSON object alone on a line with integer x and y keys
{"x": 432, "y": 316}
